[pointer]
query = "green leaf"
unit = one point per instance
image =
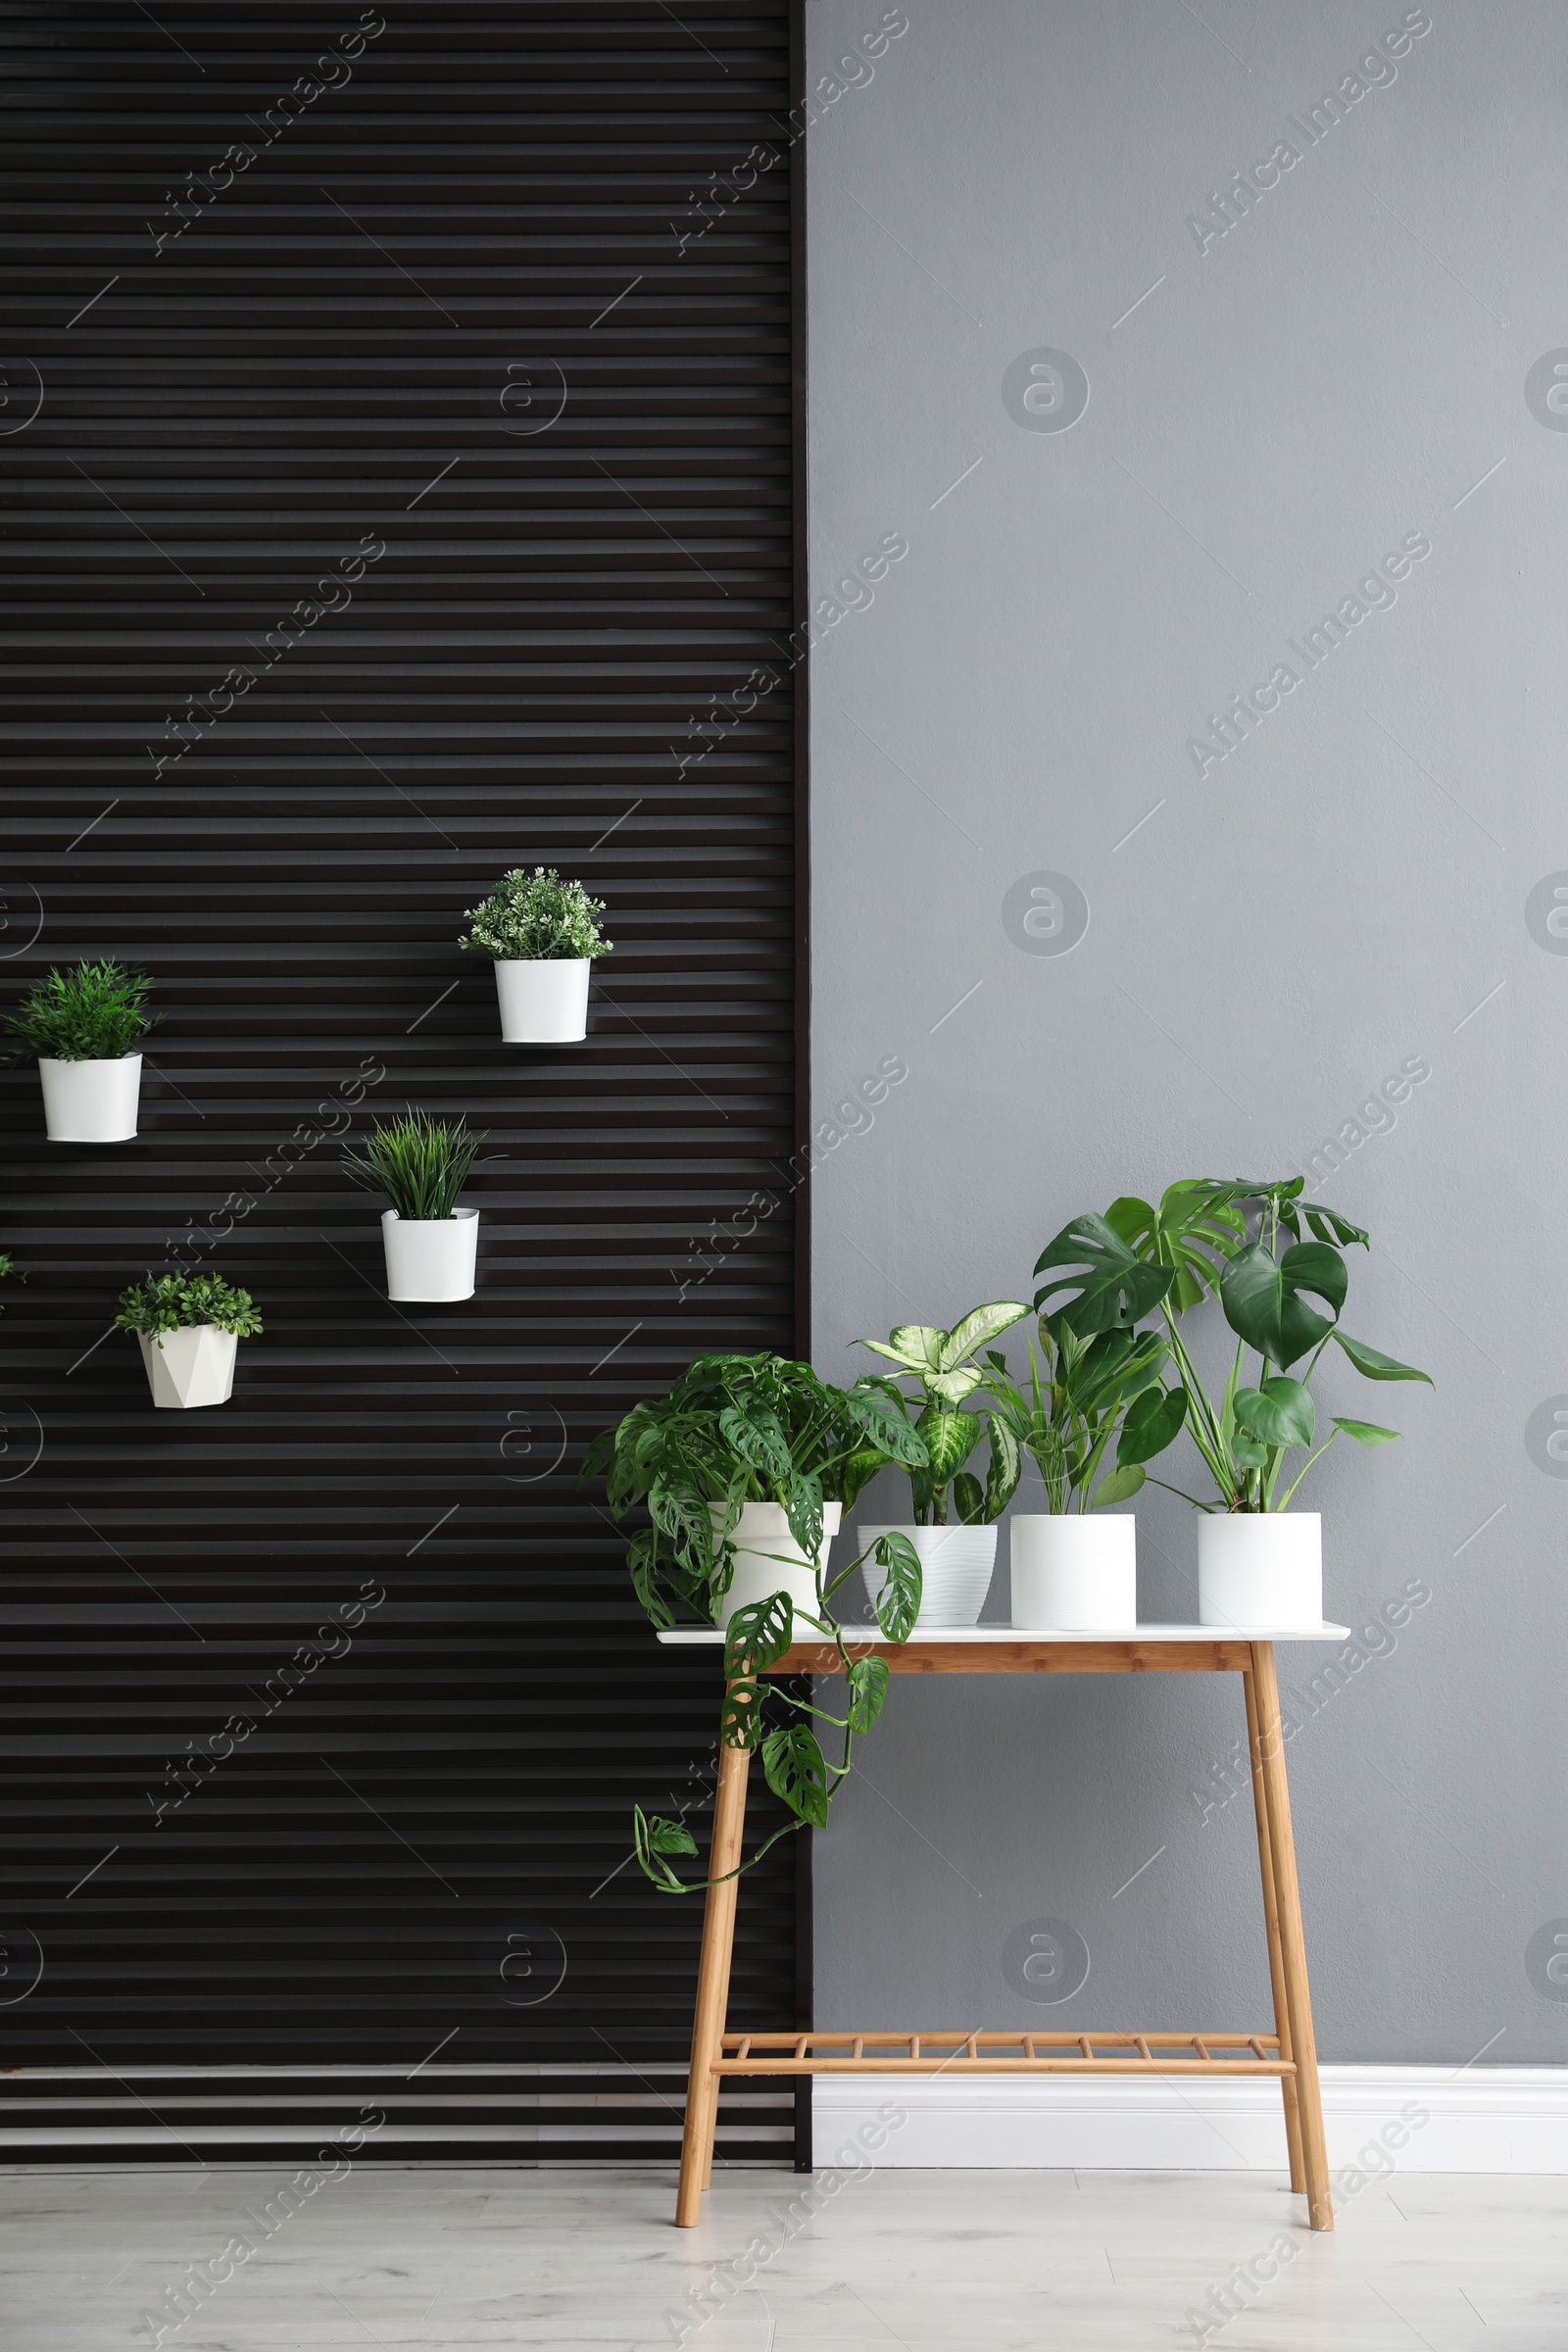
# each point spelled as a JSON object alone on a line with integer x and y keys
{"x": 950, "y": 1438}
{"x": 970, "y": 1500}
{"x": 1193, "y": 1230}
{"x": 1374, "y": 1366}
{"x": 898, "y": 1603}
{"x": 857, "y": 1472}
{"x": 951, "y": 1388}
{"x": 653, "y": 1841}
{"x": 869, "y": 1689}
{"x": 1118, "y": 1486}
{"x": 1005, "y": 1471}
{"x": 740, "y": 1719}
{"x": 759, "y": 1634}
{"x": 1365, "y": 1433}
{"x": 1153, "y": 1418}
{"x": 796, "y": 1770}
{"x": 803, "y": 1509}
{"x": 980, "y": 1324}
{"x": 1329, "y": 1225}
{"x": 1110, "y": 1287}
{"x": 757, "y": 1439}
{"x": 915, "y": 1344}
{"x": 1263, "y": 1303}
{"x": 1280, "y": 1413}
{"x": 875, "y": 1406}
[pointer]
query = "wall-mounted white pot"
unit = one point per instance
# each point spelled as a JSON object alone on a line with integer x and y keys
{"x": 1261, "y": 1568}
{"x": 91, "y": 1102}
{"x": 955, "y": 1569}
{"x": 1074, "y": 1572}
{"x": 544, "y": 1001}
{"x": 190, "y": 1367}
{"x": 430, "y": 1260}
{"x": 767, "y": 1560}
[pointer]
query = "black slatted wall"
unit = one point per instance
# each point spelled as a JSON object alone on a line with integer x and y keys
{"x": 478, "y": 372}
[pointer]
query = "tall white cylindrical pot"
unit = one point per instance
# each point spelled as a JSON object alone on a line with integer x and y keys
{"x": 1261, "y": 1568}
{"x": 544, "y": 1001}
{"x": 91, "y": 1102}
{"x": 431, "y": 1261}
{"x": 768, "y": 1560}
{"x": 190, "y": 1367}
{"x": 955, "y": 1569}
{"x": 1075, "y": 1572}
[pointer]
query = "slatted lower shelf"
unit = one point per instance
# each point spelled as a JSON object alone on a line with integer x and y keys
{"x": 1002, "y": 2053}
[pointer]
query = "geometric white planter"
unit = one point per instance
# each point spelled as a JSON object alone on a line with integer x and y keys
{"x": 768, "y": 1560}
{"x": 1261, "y": 1568}
{"x": 544, "y": 999}
{"x": 1072, "y": 1573}
{"x": 190, "y": 1367}
{"x": 956, "y": 1564}
{"x": 90, "y": 1102}
{"x": 430, "y": 1260}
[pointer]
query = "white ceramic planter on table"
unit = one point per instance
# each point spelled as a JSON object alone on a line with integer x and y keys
{"x": 431, "y": 1261}
{"x": 544, "y": 1001}
{"x": 190, "y": 1367}
{"x": 90, "y": 1102}
{"x": 1261, "y": 1568}
{"x": 768, "y": 1560}
{"x": 1074, "y": 1572}
{"x": 955, "y": 1569}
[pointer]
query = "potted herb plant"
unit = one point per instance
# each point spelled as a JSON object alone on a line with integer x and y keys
{"x": 85, "y": 1025}
{"x": 543, "y": 935}
{"x": 188, "y": 1326}
{"x": 744, "y": 1469}
{"x": 1240, "y": 1242}
{"x": 421, "y": 1164}
{"x": 1075, "y": 1563}
{"x": 957, "y": 1558}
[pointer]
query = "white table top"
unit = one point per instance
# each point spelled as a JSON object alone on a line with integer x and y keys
{"x": 682, "y": 1635}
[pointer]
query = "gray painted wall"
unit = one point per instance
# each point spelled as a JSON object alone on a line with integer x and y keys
{"x": 1272, "y": 934}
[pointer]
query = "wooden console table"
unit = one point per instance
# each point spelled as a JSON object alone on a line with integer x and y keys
{"x": 1288, "y": 2053}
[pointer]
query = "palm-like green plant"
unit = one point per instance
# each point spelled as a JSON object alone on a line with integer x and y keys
{"x": 178, "y": 1301}
{"x": 421, "y": 1164}
{"x": 942, "y": 1363}
{"x": 1066, "y": 1422}
{"x": 1211, "y": 1236}
{"x": 738, "y": 1429}
{"x": 89, "y": 1012}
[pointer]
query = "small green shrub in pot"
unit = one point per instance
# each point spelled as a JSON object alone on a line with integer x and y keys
{"x": 85, "y": 1024}
{"x": 421, "y": 1164}
{"x": 744, "y": 1468}
{"x": 187, "y": 1326}
{"x": 542, "y": 935}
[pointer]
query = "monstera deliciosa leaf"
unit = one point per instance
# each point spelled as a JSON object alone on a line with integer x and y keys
{"x": 1265, "y": 1303}
{"x": 1110, "y": 1287}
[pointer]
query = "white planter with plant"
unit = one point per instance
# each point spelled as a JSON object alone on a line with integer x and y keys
{"x": 543, "y": 935}
{"x": 957, "y": 1560}
{"x": 1202, "y": 1238}
{"x": 421, "y": 1164}
{"x": 768, "y": 1560}
{"x": 188, "y": 1326}
{"x": 84, "y": 1024}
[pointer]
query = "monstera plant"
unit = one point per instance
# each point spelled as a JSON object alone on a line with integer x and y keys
{"x": 743, "y": 1468}
{"x": 1241, "y": 1241}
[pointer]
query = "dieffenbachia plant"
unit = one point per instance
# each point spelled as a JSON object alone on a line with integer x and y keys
{"x": 1213, "y": 1237}
{"x": 738, "y": 1429}
{"x": 942, "y": 1363}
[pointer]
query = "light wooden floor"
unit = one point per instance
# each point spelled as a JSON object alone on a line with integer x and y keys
{"x": 935, "y": 2261}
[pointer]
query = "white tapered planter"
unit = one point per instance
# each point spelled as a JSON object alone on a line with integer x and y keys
{"x": 190, "y": 1367}
{"x": 955, "y": 1570}
{"x": 431, "y": 1261}
{"x": 1261, "y": 1568}
{"x": 91, "y": 1102}
{"x": 544, "y": 1001}
{"x": 1073, "y": 1574}
{"x": 767, "y": 1560}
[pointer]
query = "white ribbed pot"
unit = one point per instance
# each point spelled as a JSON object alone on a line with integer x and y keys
{"x": 544, "y": 1001}
{"x": 190, "y": 1367}
{"x": 431, "y": 1261}
{"x": 955, "y": 1570}
{"x": 91, "y": 1102}
{"x": 1263, "y": 1568}
{"x": 1075, "y": 1572}
{"x": 768, "y": 1560}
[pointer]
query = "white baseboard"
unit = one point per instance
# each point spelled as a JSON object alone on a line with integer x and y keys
{"x": 1477, "y": 2119}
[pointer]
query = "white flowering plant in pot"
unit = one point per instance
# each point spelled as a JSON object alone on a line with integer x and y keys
{"x": 542, "y": 935}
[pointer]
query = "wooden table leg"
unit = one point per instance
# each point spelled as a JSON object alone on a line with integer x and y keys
{"x": 1271, "y": 1922}
{"x": 1270, "y": 1751}
{"x": 712, "y": 1986}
